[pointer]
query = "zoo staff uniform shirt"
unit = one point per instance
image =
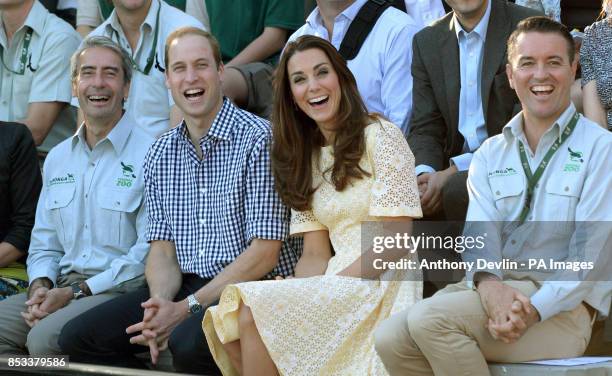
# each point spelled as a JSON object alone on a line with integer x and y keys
{"x": 91, "y": 215}
{"x": 575, "y": 187}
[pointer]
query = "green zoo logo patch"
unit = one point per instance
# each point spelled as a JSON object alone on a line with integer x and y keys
{"x": 127, "y": 180}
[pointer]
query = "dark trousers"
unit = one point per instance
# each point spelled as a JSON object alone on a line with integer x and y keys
{"x": 98, "y": 335}
{"x": 455, "y": 197}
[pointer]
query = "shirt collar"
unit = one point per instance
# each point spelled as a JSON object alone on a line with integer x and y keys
{"x": 36, "y": 18}
{"x": 482, "y": 26}
{"x": 514, "y": 128}
{"x": 315, "y": 19}
{"x": 114, "y": 24}
{"x": 117, "y": 136}
{"x": 222, "y": 127}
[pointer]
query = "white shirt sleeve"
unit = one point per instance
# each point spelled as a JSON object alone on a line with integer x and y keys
{"x": 482, "y": 217}
{"x": 396, "y": 86}
{"x": 591, "y": 241}
{"x": 45, "y": 250}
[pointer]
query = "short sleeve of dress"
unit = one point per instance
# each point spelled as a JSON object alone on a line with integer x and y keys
{"x": 586, "y": 57}
{"x": 394, "y": 191}
{"x": 304, "y": 221}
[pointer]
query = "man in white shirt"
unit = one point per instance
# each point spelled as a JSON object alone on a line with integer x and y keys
{"x": 34, "y": 77}
{"x": 460, "y": 97}
{"x": 141, "y": 28}
{"x": 382, "y": 65}
{"x": 532, "y": 188}
{"x": 88, "y": 244}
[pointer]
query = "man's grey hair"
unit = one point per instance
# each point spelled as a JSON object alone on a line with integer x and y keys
{"x": 101, "y": 42}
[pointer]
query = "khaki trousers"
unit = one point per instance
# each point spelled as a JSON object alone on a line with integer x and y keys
{"x": 16, "y": 337}
{"x": 446, "y": 335}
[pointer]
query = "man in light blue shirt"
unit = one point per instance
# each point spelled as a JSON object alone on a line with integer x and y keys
{"x": 532, "y": 190}
{"x": 461, "y": 97}
{"x": 88, "y": 243}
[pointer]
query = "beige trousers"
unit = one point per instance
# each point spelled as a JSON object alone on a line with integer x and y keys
{"x": 446, "y": 335}
{"x": 16, "y": 337}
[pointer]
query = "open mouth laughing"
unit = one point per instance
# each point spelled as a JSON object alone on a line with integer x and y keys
{"x": 193, "y": 95}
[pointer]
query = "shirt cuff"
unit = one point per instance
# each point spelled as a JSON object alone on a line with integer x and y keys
{"x": 100, "y": 282}
{"x": 159, "y": 231}
{"x": 545, "y": 303}
{"x": 34, "y": 273}
{"x": 268, "y": 230}
{"x": 424, "y": 169}
{"x": 462, "y": 161}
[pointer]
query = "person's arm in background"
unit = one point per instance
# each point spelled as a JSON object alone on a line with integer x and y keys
{"x": 396, "y": 85}
{"x": 591, "y": 103}
{"x": 269, "y": 42}
{"x": 88, "y": 16}
{"x": 41, "y": 117}
{"x": 51, "y": 87}
{"x": 25, "y": 184}
{"x": 593, "y": 109}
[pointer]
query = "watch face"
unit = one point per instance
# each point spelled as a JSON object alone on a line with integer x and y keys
{"x": 195, "y": 308}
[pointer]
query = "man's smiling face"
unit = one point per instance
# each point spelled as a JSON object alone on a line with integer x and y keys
{"x": 542, "y": 72}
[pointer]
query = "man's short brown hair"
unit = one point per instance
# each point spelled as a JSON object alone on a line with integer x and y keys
{"x": 190, "y": 30}
{"x": 541, "y": 24}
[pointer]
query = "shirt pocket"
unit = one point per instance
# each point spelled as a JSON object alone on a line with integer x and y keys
{"x": 59, "y": 204}
{"x": 117, "y": 220}
{"x": 562, "y": 197}
{"x": 507, "y": 193}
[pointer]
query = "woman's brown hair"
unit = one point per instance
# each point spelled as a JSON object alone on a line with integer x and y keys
{"x": 296, "y": 137}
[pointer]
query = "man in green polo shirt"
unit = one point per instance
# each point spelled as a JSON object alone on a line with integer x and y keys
{"x": 252, "y": 34}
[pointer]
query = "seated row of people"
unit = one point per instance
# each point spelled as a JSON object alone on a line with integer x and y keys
{"x": 211, "y": 197}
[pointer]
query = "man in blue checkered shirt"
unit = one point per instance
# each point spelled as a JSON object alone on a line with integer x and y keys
{"x": 214, "y": 219}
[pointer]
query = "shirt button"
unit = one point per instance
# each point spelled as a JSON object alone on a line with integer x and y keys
{"x": 538, "y": 185}
{"x": 117, "y": 203}
{"x": 93, "y": 163}
{"x": 86, "y": 195}
{"x": 86, "y": 227}
{"x": 84, "y": 256}
{"x": 531, "y": 218}
{"x": 497, "y": 193}
{"x": 566, "y": 189}
{"x": 55, "y": 201}
{"x": 513, "y": 242}
{"x": 3, "y": 102}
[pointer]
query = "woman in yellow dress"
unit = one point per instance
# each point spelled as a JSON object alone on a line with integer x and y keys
{"x": 336, "y": 166}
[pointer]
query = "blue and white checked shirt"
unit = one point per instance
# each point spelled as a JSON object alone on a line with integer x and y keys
{"x": 212, "y": 208}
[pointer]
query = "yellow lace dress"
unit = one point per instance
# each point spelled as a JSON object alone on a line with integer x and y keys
{"x": 324, "y": 325}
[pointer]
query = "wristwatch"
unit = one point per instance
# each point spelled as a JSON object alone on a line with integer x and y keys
{"x": 194, "y": 305}
{"x": 77, "y": 292}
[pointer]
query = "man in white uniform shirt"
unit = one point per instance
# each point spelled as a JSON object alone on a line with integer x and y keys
{"x": 141, "y": 28}
{"x": 533, "y": 187}
{"x": 35, "y": 46}
{"x": 382, "y": 65}
{"x": 88, "y": 243}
